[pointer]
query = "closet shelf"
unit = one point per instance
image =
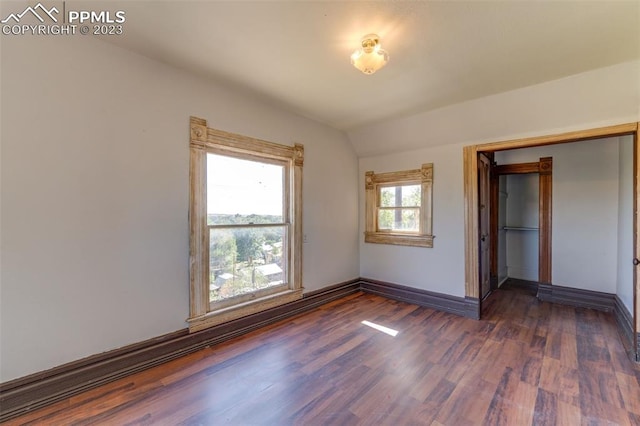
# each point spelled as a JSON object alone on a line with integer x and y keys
{"x": 519, "y": 228}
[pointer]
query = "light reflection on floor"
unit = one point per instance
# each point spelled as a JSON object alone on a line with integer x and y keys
{"x": 387, "y": 330}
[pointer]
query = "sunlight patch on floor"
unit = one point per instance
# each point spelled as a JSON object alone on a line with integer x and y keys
{"x": 386, "y": 330}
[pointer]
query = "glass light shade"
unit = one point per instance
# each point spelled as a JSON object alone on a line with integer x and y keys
{"x": 370, "y": 57}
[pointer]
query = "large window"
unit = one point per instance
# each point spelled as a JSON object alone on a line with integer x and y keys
{"x": 245, "y": 219}
{"x": 398, "y": 207}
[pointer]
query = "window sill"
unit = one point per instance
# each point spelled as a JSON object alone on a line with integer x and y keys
{"x": 399, "y": 239}
{"x": 242, "y": 310}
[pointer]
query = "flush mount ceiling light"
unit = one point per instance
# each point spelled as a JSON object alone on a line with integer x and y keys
{"x": 370, "y": 57}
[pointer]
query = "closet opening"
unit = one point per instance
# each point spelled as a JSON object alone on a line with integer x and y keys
{"x": 586, "y": 260}
{"x": 515, "y": 222}
{"x": 521, "y": 222}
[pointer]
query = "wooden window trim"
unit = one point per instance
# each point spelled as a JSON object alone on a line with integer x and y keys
{"x": 205, "y": 140}
{"x": 375, "y": 181}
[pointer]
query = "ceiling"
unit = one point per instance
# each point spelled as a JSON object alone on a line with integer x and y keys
{"x": 295, "y": 54}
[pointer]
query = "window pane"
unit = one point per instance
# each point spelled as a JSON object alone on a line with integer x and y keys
{"x": 399, "y": 219}
{"x": 243, "y": 191}
{"x": 400, "y": 196}
{"x": 388, "y": 196}
{"x": 411, "y": 195}
{"x": 385, "y": 219}
{"x": 244, "y": 260}
{"x": 410, "y": 218}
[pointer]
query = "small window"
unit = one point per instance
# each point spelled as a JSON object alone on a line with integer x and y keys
{"x": 398, "y": 207}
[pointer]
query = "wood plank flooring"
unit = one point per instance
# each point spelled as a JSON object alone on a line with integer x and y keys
{"x": 527, "y": 362}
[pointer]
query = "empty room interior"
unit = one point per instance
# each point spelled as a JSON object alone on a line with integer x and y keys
{"x": 319, "y": 213}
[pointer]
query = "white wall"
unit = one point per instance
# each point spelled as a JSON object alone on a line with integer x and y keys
{"x": 584, "y": 211}
{"x": 597, "y": 98}
{"x": 593, "y": 99}
{"x": 94, "y": 179}
{"x": 624, "y": 286}
{"x": 440, "y": 268}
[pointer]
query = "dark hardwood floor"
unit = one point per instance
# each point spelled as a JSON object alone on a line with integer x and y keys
{"x": 527, "y": 362}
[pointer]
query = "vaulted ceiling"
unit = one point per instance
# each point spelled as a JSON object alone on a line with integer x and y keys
{"x": 295, "y": 54}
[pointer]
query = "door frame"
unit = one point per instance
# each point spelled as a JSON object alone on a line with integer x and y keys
{"x": 544, "y": 169}
{"x": 471, "y": 226}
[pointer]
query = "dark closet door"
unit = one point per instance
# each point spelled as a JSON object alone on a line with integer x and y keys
{"x": 484, "y": 193}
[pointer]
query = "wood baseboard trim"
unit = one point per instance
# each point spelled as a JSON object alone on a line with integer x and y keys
{"x": 576, "y": 297}
{"x": 624, "y": 322}
{"x": 38, "y": 390}
{"x": 465, "y": 307}
{"x": 472, "y": 308}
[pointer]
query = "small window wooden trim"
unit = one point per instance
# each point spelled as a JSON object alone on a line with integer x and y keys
{"x": 202, "y": 141}
{"x": 375, "y": 181}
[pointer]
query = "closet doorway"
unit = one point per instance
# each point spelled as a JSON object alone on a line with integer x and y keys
{"x": 521, "y": 197}
{"x": 472, "y": 211}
